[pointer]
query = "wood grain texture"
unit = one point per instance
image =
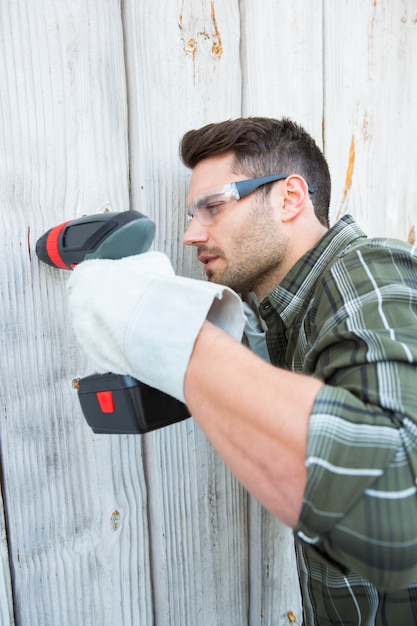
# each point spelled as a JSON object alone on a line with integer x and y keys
{"x": 63, "y": 146}
{"x": 282, "y": 61}
{"x": 369, "y": 112}
{"x": 183, "y": 71}
{"x": 6, "y": 593}
{"x": 282, "y": 76}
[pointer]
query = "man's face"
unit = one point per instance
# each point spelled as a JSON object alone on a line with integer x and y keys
{"x": 243, "y": 247}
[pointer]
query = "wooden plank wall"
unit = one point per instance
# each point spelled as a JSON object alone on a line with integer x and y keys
{"x": 94, "y": 98}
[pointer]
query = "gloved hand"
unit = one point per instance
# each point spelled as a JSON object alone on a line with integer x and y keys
{"x": 135, "y": 316}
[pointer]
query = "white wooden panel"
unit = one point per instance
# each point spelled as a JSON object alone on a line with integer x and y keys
{"x": 282, "y": 61}
{"x": 282, "y": 65}
{"x": 184, "y": 71}
{"x": 75, "y": 502}
{"x": 6, "y": 599}
{"x": 370, "y": 112}
{"x": 275, "y": 594}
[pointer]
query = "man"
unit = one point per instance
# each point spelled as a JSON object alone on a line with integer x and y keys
{"x": 325, "y": 435}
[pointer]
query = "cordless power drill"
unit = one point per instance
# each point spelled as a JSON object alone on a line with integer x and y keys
{"x": 111, "y": 403}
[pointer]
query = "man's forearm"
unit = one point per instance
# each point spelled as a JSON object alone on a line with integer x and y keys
{"x": 255, "y": 415}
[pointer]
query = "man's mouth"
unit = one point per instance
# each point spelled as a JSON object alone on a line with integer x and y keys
{"x": 207, "y": 260}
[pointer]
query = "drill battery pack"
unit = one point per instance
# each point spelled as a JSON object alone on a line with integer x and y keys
{"x": 117, "y": 404}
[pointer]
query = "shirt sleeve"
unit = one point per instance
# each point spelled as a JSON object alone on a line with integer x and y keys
{"x": 360, "y": 504}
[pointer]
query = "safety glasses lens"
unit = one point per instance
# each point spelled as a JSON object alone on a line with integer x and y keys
{"x": 211, "y": 203}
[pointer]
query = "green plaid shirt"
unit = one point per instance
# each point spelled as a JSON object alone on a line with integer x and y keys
{"x": 347, "y": 314}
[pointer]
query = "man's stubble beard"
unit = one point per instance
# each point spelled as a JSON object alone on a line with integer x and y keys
{"x": 254, "y": 258}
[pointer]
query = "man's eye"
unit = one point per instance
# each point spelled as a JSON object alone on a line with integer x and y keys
{"x": 214, "y": 208}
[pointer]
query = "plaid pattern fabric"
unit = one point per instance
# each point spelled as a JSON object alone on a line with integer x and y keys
{"x": 347, "y": 313}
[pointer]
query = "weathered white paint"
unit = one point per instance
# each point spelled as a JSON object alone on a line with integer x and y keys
{"x": 6, "y": 600}
{"x": 282, "y": 74}
{"x": 370, "y": 103}
{"x": 182, "y": 72}
{"x": 282, "y": 61}
{"x": 63, "y": 153}
{"x": 94, "y": 99}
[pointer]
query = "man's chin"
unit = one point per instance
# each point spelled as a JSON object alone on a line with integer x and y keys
{"x": 212, "y": 277}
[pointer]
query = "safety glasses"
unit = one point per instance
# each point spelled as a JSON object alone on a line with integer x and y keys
{"x": 208, "y": 205}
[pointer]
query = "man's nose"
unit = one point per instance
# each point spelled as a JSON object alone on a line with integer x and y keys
{"x": 195, "y": 234}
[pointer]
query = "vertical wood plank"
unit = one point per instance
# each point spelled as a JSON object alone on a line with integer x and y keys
{"x": 183, "y": 68}
{"x": 6, "y": 597}
{"x": 282, "y": 61}
{"x": 75, "y": 502}
{"x": 370, "y": 121}
{"x": 274, "y": 580}
{"x": 282, "y": 68}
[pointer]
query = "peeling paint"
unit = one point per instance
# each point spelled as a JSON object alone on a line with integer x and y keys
{"x": 349, "y": 174}
{"x": 115, "y": 519}
{"x": 365, "y": 126}
{"x": 217, "y": 47}
{"x": 190, "y": 45}
{"x": 372, "y": 26}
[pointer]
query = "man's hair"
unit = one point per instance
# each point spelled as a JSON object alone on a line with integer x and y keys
{"x": 263, "y": 146}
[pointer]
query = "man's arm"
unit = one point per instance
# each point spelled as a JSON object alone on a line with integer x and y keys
{"x": 358, "y": 503}
{"x": 255, "y": 415}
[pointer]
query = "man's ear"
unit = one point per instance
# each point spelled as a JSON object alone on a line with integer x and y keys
{"x": 295, "y": 197}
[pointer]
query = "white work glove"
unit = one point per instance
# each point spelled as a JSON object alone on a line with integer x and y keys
{"x": 254, "y": 331}
{"x": 135, "y": 316}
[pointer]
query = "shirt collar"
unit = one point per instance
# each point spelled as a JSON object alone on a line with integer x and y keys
{"x": 293, "y": 291}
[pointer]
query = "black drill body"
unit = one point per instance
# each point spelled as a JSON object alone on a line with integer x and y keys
{"x": 111, "y": 403}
